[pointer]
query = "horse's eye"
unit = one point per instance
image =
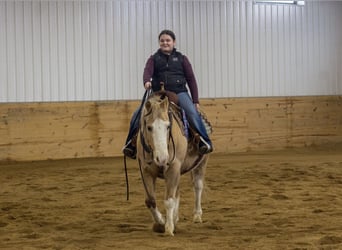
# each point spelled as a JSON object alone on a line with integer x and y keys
{"x": 168, "y": 127}
{"x": 149, "y": 128}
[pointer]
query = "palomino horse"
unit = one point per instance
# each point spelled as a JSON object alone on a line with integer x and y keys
{"x": 163, "y": 152}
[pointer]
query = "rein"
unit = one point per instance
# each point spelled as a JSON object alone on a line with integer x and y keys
{"x": 146, "y": 95}
{"x": 170, "y": 135}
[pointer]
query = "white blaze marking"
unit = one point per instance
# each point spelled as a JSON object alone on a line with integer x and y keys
{"x": 160, "y": 136}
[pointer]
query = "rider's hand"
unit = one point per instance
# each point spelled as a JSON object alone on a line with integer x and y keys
{"x": 197, "y": 106}
{"x": 148, "y": 85}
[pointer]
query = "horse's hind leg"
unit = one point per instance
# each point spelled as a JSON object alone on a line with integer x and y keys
{"x": 198, "y": 184}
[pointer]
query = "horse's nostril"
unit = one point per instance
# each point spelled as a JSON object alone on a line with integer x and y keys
{"x": 160, "y": 161}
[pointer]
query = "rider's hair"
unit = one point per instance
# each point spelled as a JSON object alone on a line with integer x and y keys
{"x": 167, "y": 32}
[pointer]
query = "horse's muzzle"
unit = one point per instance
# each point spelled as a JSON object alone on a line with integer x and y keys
{"x": 162, "y": 161}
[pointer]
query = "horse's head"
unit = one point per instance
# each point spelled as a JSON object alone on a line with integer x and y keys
{"x": 155, "y": 127}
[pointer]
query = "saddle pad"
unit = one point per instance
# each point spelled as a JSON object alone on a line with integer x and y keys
{"x": 186, "y": 126}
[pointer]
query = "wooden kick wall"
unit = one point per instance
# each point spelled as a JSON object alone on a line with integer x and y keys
{"x": 40, "y": 131}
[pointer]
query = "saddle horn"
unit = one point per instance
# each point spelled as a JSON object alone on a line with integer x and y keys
{"x": 162, "y": 91}
{"x": 165, "y": 93}
{"x": 162, "y": 86}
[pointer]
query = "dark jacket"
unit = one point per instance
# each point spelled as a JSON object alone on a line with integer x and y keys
{"x": 174, "y": 70}
{"x": 169, "y": 70}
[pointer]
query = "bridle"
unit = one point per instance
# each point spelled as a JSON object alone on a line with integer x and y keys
{"x": 147, "y": 148}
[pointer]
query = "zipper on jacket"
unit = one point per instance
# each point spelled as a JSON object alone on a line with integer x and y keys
{"x": 167, "y": 68}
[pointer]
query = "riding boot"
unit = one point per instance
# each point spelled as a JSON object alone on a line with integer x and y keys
{"x": 205, "y": 146}
{"x": 195, "y": 120}
{"x": 130, "y": 149}
{"x": 202, "y": 140}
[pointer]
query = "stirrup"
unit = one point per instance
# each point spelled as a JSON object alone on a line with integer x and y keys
{"x": 204, "y": 147}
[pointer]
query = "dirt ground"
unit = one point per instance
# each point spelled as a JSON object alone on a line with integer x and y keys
{"x": 270, "y": 200}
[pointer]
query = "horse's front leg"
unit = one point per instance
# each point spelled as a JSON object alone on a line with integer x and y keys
{"x": 172, "y": 177}
{"x": 198, "y": 184}
{"x": 150, "y": 201}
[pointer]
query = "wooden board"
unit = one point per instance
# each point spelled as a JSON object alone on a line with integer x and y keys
{"x": 40, "y": 131}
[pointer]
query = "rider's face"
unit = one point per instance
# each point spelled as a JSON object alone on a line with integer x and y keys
{"x": 166, "y": 43}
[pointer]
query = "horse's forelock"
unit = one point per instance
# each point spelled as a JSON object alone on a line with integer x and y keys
{"x": 157, "y": 106}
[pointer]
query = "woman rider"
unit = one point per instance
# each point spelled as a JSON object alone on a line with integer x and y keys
{"x": 174, "y": 69}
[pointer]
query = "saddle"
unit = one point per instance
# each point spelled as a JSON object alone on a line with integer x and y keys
{"x": 179, "y": 114}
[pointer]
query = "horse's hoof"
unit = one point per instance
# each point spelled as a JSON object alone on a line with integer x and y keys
{"x": 197, "y": 218}
{"x": 158, "y": 228}
{"x": 169, "y": 233}
{"x": 169, "y": 229}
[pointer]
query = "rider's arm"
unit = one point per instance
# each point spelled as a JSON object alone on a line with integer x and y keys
{"x": 148, "y": 72}
{"x": 191, "y": 79}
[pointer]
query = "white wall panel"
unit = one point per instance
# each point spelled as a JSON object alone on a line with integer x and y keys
{"x": 3, "y": 53}
{"x": 37, "y": 91}
{"x": 11, "y": 53}
{"x": 96, "y": 50}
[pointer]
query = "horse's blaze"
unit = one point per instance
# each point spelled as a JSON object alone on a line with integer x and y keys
{"x": 160, "y": 141}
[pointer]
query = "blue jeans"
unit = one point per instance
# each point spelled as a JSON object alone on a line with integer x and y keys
{"x": 185, "y": 102}
{"x": 134, "y": 125}
{"x": 195, "y": 120}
